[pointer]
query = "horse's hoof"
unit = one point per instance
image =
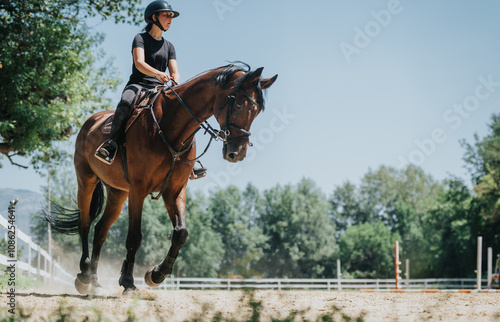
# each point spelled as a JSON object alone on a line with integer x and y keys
{"x": 81, "y": 287}
{"x": 149, "y": 279}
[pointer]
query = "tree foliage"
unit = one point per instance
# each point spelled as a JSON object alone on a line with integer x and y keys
{"x": 483, "y": 161}
{"x": 203, "y": 252}
{"x": 301, "y": 238}
{"x": 239, "y": 235}
{"x": 52, "y": 71}
{"x": 367, "y": 251}
{"x": 451, "y": 229}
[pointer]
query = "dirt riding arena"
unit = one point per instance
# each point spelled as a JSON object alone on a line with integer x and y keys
{"x": 189, "y": 305}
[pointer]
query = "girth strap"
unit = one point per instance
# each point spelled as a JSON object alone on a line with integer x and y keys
{"x": 174, "y": 154}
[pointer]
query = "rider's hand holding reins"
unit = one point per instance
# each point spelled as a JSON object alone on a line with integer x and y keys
{"x": 162, "y": 77}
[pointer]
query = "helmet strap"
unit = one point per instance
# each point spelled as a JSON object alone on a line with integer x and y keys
{"x": 157, "y": 22}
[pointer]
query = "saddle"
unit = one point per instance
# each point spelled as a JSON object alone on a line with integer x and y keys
{"x": 143, "y": 99}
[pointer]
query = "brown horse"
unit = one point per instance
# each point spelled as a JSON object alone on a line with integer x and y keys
{"x": 160, "y": 153}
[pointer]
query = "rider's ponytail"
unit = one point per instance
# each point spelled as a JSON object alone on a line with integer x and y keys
{"x": 148, "y": 27}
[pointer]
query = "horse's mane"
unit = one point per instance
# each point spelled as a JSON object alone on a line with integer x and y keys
{"x": 223, "y": 78}
{"x": 224, "y": 74}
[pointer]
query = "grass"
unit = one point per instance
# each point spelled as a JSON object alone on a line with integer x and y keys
{"x": 21, "y": 282}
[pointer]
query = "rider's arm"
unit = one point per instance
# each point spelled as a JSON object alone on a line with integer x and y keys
{"x": 174, "y": 70}
{"x": 146, "y": 69}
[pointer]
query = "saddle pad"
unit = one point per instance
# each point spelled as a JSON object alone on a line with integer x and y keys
{"x": 106, "y": 128}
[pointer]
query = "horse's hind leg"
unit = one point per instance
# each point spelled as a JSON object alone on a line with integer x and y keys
{"x": 156, "y": 275}
{"x": 86, "y": 188}
{"x": 114, "y": 204}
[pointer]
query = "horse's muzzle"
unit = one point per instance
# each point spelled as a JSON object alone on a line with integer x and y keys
{"x": 234, "y": 152}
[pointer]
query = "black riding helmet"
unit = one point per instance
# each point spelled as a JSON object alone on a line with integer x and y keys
{"x": 156, "y": 7}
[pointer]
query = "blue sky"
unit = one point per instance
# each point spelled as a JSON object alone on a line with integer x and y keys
{"x": 361, "y": 84}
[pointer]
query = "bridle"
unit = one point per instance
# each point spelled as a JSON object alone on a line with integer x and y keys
{"x": 229, "y": 101}
{"x": 217, "y": 135}
{"x": 224, "y": 133}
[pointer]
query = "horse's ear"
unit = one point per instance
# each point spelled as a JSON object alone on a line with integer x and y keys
{"x": 256, "y": 75}
{"x": 266, "y": 83}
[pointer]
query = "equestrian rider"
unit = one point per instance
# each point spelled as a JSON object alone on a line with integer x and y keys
{"x": 152, "y": 55}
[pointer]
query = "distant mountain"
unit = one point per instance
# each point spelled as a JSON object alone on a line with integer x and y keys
{"x": 29, "y": 204}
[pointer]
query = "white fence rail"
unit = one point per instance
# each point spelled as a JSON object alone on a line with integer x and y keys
{"x": 38, "y": 262}
{"x": 178, "y": 283}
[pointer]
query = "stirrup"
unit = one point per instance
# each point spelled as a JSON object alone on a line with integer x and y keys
{"x": 198, "y": 173}
{"x": 108, "y": 159}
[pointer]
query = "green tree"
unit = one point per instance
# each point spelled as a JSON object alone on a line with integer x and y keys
{"x": 451, "y": 228}
{"x": 399, "y": 199}
{"x": 379, "y": 195}
{"x": 383, "y": 189}
{"x": 483, "y": 161}
{"x": 237, "y": 229}
{"x": 50, "y": 77}
{"x": 203, "y": 252}
{"x": 301, "y": 237}
{"x": 367, "y": 251}
{"x": 346, "y": 207}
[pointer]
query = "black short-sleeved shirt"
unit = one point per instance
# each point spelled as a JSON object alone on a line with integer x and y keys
{"x": 157, "y": 53}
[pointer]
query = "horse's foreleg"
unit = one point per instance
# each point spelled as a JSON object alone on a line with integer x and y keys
{"x": 114, "y": 204}
{"x": 134, "y": 238}
{"x": 157, "y": 274}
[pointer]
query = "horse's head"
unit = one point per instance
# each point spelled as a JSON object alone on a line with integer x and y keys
{"x": 239, "y": 108}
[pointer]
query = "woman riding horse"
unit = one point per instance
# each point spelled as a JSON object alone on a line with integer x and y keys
{"x": 157, "y": 161}
{"x": 152, "y": 55}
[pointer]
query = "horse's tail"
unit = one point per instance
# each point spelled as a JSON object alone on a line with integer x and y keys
{"x": 65, "y": 220}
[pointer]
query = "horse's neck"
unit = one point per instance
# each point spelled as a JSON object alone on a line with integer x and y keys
{"x": 199, "y": 96}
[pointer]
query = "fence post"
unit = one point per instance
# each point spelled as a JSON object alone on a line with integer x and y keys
{"x": 396, "y": 263}
{"x": 490, "y": 264}
{"x": 479, "y": 261}
{"x": 45, "y": 269}
{"x": 407, "y": 273}
{"x": 29, "y": 258}
{"x": 339, "y": 274}
{"x": 38, "y": 261}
